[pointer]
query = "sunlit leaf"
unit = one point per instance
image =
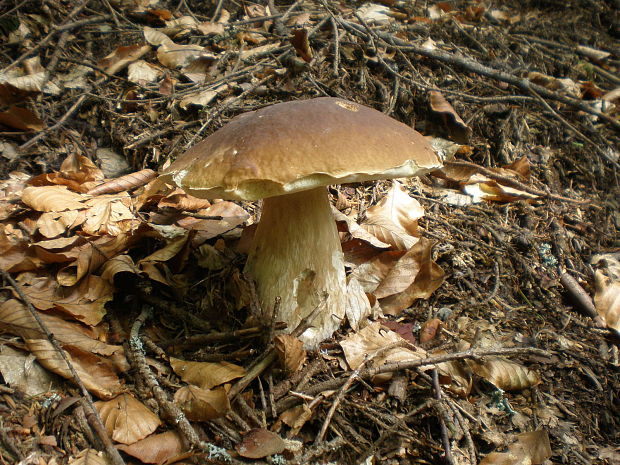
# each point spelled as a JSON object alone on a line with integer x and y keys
{"x": 126, "y": 419}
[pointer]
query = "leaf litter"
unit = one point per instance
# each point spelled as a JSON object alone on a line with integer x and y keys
{"x": 480, "y": 277}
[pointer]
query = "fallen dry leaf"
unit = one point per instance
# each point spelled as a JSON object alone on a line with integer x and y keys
{"x": 290, "y": 351}
{"x": 202, "y": 404}
{"x": 430, "y": 330}
{"x": 452, "y": 122}
{"x": 206, "y": 375}
{"x": 85, "y": 302}
{"x": 21, "y": 372}
{"x": 126, "y": 419}
{"x": 607, "y": 282}
{"x": 22, "y": 119}
{"x": 394, "y": 220}
{"x": 124, "y": 183}
{"x": 296, "y": 418}
{"x": 91, "y": 255}
{"x": 302, "y": 45}
{"x": 90, "y": 457}
{"x": 374, "y": 337}
{"x": 158, "y": 448}
{"x": 122, "y": 56}
{"x": 530, "y": 448}
{"x": 358, "y": 305}
{"x": 259, "y": 443}
{"x": 428, "y": 277}
{"x": 52, "y": 199}
{"x": 98, "y": 374}
{"x": 504, "y": 374}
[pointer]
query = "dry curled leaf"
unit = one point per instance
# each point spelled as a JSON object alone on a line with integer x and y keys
{"x": 259, "y": 443}
{"x": 122, "y": 56}
{"x": 302, "y": 45}
{"x": 504, "y": 374}
{"x": 158, "y": 448}
{"x": 452, "y": 122}
{"x": 607, "y": 282}
{"x": 394, "y": 220}
{"x": 374, "y": 337}
{"x": 124, "y": 183}
{"x": 290, "y": 351}
{"x": 202, "y": 404}
{"x": 126, "y": 419}
{"x": 530, "y": 448}
{"x": 206, "y": 375}
{"x": 22, "y": 119}
{"x": 90, "y": 457}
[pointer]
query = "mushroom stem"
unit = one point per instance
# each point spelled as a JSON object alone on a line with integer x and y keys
{"x": 296, "y": 255}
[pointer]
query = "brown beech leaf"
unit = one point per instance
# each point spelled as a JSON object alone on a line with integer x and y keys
{"x": 232, "y": 216}
{"x": 124, "y": 183}
{"x": 290, "y": 351}
{"x": 607, "y": 283}
{"x": 348, "y": 225}
{"x": 79, "y": 169}
{"x": 22, "y": 119}
{"x": 90, "y": 457}
{"x": 366, "y": 342}
{"x": 119, "y": 264}
{"x": 531, "y": 448}
{"x": 430, "y": 330}
{"x": 85, "y": 301}
{"x": 158, "y": 448}
{"x": 394, "y": 220}
{"x": 452, "y": 122}
{"x": 429, "y": 276}
{"x": 52, "y": 199}
{"x": 91, "y": 255}
{"x": 455, "y": 376}
{"x": 97, "y": 373}
{"x": 206, "y": 375}
{"x": 259, "y": 443}
{"x": 404, "y": 330}
{"x": 371, "y": 273}
{"x": 202, "y": 404}
{"x": 122, "y": 56}
{"x": 15, "y": 255}
{"x": 358, "y": 305}
{"x": 174, "y": 55}
{"x": 126, "y": 419}
{"x": 296, "y": 418}
{"x": 301, "y": 44}
{"x": 504, "y": 374}
{"x": 109, "y": 214}
{"x": 16, "y": 319}
{"x": 179, "y": 200}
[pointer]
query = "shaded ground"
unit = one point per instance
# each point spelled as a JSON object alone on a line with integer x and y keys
{"x": 503, "y": 260}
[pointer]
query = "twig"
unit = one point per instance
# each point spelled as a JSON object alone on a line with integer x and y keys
{"x": 445, "y": 438}
{"x": 174, "y": 415}
{"x": 58, "y": 124}
{"x": 55, "y": 30}
{"x": 562, "y": 120}
{"x": 513, "y": 182}
{"x": 213, "y": 337}
{"x": 331, "y": 384}
{"x": 88, "y": 401}
{"x": 477, "y": 68}
{"x": 270, "y": 355}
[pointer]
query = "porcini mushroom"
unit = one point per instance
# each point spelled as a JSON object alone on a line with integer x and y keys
{"x": 287, "y": 154}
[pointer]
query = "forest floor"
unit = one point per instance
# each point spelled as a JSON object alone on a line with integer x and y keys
{"x": 127, "y": 326}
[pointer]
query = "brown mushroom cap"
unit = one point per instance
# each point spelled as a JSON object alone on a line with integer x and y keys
{"x": 300, "y": 145}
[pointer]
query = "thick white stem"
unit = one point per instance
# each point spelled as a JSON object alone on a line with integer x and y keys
{"x": 297, "y": 256}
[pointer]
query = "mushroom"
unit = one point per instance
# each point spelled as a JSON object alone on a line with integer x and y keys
{"x": 286, "y": 154}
